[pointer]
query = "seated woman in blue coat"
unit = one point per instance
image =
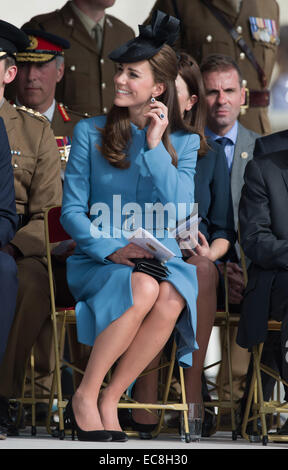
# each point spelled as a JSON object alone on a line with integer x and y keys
{"x": 142, "y": 153}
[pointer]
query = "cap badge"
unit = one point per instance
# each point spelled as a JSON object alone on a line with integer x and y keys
{"x": 33, "y": 43}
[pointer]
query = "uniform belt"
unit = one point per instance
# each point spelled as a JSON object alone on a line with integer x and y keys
{"x": 257, "y": 98}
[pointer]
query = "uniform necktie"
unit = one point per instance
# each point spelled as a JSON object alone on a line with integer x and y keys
{"x": 98, "y": 36}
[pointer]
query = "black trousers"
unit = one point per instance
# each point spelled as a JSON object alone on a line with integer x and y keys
{"x": 275, "y": 348}
{"x": 8, "y": 294}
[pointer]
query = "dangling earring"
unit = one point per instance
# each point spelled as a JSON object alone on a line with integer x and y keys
{"x": 153, "y": 99}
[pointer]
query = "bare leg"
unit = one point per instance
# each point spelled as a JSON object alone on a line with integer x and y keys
{"x": 148, "y": 342}
{"x": 207, "y": 276}
{"x": 108, "y": 347}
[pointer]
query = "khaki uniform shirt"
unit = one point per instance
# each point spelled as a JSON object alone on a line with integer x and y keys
{"x": 36, "y": 165}
{"x": 87, "y": 85}
{"x": 202, "y": 34}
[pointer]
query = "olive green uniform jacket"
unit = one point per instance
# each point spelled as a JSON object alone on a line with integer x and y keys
{"x": 36, "y": 165}
{"x": 202, "y": 35}
{"x": 36, "y": 168}
{"x": 87, "y": 85}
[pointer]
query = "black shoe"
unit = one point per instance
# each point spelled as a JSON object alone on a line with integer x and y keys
{"x": 7, "y": 426}
{"x": 118, "y": 436}
{"x": 100, "y": 436}
{"x": 144, "y": 430}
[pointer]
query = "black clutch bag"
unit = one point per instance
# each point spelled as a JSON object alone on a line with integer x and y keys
{"x": 152, "y": 266}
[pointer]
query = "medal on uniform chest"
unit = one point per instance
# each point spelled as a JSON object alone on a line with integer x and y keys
{"x": 264, "y": 30}
{"x": 15, "y": 153}
{"x": 64, "y": 147}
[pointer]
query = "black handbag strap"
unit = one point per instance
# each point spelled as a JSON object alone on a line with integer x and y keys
{"x": 238, "y": 39}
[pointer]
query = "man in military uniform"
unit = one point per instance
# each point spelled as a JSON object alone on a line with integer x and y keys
{"x": 36, "y": 164}
{"x": 87, "y": 85}
{"x": 254, "y": 21}
{"x": 40, "y": 67}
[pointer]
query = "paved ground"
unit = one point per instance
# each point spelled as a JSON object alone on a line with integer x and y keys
{"x": 165, "y": 441}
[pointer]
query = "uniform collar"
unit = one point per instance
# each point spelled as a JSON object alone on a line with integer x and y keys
{"x": 87, "y": 22}
{"x": 229, "y": 7}
{"x": 50, "y": 111}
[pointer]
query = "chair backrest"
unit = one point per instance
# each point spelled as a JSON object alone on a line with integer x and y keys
{"x": 56, "y": 232}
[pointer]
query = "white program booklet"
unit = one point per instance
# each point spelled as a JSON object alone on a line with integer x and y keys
{"x": 147, "y": 241}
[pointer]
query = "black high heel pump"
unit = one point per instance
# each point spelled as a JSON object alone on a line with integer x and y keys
{"x": 69, "y": 418}
{"x": 118, "y": 436}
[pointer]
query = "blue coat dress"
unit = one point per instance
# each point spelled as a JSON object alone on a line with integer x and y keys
{"x": 102, "y": 289}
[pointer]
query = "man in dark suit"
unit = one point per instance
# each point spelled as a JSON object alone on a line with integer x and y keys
{"x": 264, "y": 237}
{"x": 224, "y": 97}
{"x": 8, "y": 226}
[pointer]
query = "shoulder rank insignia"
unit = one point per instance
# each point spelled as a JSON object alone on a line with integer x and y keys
{"x": 31, "y": 112}
{"x": 264, "y": 30}
{"x": 63, "y": 112}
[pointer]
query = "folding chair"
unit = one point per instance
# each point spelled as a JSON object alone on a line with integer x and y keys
{"x": 255, "y": 400}
{"x": 55, "y": 233}
{"x": 60, "y": 316}
{"x": 261, "y": 408}
{"x": 32, "y": 398}
{"x": 163, "y": 404}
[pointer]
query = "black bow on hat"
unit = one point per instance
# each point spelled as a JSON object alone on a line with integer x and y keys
{"x": 163, "y": 29}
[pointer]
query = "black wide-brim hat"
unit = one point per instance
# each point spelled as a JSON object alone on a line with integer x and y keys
{"x": 43, "y": 46}
{"x": 12, "y": 39}
{"x": 163, "y": 29}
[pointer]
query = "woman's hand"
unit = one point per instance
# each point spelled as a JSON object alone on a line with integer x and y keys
{"x": 124, "y": 255}
{"x": 198, "y": 250}
{"x": 158, "y": 115}
{"x": 202, "y": 248}
{"x": 216, "y": 250}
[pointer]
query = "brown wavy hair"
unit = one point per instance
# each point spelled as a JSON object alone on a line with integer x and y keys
{"x": 116, "y": 134}
{"x": 189, "y": 71}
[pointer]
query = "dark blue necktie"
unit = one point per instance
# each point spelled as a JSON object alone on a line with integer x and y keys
{"x": 223, "y": 141}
